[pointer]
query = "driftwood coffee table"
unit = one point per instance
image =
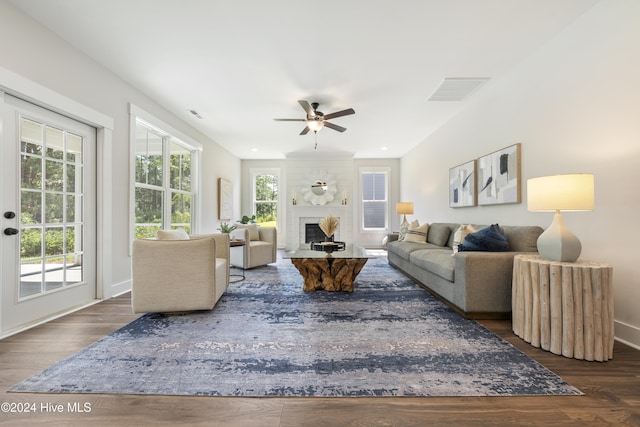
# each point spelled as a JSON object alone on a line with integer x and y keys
{"x": 336, "y": 271}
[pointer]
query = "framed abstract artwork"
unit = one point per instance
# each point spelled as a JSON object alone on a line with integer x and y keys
{"x": 499, "y": 177}
{"x": 462, "y": 185}
{"x": 225, "y": 199}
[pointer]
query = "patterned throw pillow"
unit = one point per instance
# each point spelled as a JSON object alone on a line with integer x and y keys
{"x": 417, "y": 233}
{"x": 405, "y": 227}
{"x": 460, "y": 234}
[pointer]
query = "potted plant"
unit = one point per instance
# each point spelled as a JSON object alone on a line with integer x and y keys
{"x": 246, "y": 219}
{"x": 226, "y": 228}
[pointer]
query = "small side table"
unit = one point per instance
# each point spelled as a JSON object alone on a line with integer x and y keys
{"x": 564, "y": 307}
{"x": 233, "y": 244}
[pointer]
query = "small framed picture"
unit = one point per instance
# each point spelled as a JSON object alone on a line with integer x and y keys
{"x": 225, "y": 199}
{"x": 499, "y": 177}
{"x": 462, "y": 185}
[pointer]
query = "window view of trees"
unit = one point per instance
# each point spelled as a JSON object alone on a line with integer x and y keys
{"x": 266, "y": 199}
{"x": 161, "y": 202}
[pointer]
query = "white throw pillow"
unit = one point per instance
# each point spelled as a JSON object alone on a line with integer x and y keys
{"x": 405, "y": 227}
{"x": 417, "y": 234}
{"x": 460, "y": 234}
{"x": 177, "y": 234}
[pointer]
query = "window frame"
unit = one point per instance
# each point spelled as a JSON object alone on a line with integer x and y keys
{"x": 373, "y": 170}
{"x": 254, "y": 173}
{"x": 169, "y": 136}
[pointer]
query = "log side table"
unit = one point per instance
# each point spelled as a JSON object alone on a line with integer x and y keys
{"x": 564, "y": 307}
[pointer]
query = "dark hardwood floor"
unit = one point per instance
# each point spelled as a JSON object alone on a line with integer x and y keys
{"x": 612, "y": 391}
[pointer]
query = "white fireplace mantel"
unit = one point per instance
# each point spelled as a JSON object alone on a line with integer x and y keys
{"x": 313, "y": 211}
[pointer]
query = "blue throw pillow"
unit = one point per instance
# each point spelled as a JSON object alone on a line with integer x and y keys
{"x": 490, "y": 239}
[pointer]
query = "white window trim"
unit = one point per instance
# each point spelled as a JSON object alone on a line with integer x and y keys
{"x": 253, "y": 172}
{"x": 137, "y": 114}
{"x": 373, "y": 169}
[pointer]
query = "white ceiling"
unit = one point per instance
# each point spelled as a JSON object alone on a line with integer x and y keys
{"x": 240, "y": 64}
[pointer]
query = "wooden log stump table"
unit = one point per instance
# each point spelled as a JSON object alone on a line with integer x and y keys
{"x": 564, "y": 307}
{"x": 336, "y": 271}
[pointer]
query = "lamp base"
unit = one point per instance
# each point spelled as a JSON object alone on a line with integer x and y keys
{"x": 558, "y": 243}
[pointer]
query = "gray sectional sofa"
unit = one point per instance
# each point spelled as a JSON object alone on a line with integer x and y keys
{"x": 476, "y": 284}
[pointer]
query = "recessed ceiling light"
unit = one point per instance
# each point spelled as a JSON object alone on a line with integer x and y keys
{"x": 254, "y": 149}
{"x": 384, "y": 148}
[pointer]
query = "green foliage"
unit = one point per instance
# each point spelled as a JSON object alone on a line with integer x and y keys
{"x": 246, "y": 219}
{"x": 31, "y": 240}
{"x": 226, "y": 228}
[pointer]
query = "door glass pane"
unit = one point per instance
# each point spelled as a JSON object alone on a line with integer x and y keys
{"x": 54, "y": 141}
{"x": 50, "y": 254}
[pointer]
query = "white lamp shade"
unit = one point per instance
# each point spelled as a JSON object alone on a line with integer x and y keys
{"x": 404, "y": 208}
{"x": 571, "y": 192}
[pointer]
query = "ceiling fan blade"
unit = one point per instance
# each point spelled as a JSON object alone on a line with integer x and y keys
{"x": 289, "y": 120}
{"x": 346, "y": 112}
{"x": 307, "y": 107}
{"x": 334, "y": 127}
{"x": 305, "y": 130}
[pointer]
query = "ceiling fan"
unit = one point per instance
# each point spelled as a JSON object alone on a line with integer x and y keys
{"x": 317, "y": 119}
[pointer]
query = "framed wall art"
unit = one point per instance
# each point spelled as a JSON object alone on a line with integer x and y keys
{"x": 499, "y": 177}
{"x": 462, "y": 185}
{"x": 225, "y": 199}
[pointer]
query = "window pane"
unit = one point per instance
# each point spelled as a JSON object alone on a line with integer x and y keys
{"x": 180, "y": 165}
{"x": 31, "y": 172}
{"x": 148, "y": 212}
{"x": 181, "y": 211}
{"x": 266, "y": 187}
{"x": 30, "y": 207}
{"x": 266, "y": 212}
{"x": 148, "y": 157}
{"x": 31, "y": 135}
{"x": 53, "y": 208}
{"x": 374, "y": 214}
{"x": 54, "y": 175}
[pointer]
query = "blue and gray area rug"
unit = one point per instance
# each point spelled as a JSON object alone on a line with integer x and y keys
{"x": 266, "y": 337}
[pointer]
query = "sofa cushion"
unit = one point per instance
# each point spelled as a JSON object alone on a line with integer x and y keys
{"x": 436, "y": 261}
{"x": 404, "y": 249}
{"x": 404, "y": 227}
{"x": 438, "y": 234}
{"x": 523, "y": 238}
{"x": 490, "y": 239}
{"x": 417, "y": 234}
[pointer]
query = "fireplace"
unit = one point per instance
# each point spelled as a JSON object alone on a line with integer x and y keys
{"x": 313, "y": 233}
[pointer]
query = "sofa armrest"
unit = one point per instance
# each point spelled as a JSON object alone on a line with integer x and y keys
{"x": 392, "y": 237}
{"x": 483, "y": 280}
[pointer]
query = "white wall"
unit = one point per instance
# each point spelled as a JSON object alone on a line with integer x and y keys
{"x": 36, "y": 54}
{"x": 575, "y": 107}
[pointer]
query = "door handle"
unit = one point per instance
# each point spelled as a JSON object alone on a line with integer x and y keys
{"x": 11, "y": 231}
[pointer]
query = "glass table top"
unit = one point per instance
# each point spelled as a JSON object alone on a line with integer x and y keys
{"x": 351, "y": 251}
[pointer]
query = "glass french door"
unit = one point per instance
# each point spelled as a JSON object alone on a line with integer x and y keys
{"x": 48, "y": 214}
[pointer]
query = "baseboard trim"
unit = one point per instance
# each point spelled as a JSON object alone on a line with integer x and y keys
{"x": 120, "y": 288}
{"x": 627, "y": 334}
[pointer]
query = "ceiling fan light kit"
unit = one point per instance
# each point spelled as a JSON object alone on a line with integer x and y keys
{"x": 316, "y": 120}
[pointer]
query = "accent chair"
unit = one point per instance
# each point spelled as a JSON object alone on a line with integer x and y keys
{"x": 175, "y": 275}
{"x": 259, "y": 248}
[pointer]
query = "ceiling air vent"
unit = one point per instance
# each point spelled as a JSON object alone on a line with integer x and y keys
{"x": 456, "y": 88}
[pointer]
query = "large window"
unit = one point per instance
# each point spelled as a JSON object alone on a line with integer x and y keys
{"x": 265, "y": 197}
{"x": 374, "y": 187}
{"x": 164, "y": 192}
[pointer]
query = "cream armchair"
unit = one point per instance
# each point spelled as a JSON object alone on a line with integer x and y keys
{"x": 179, "y": 275}
{"x": 259, "y": 248}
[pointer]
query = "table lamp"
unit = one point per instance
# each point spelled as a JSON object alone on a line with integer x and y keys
{"x": 571, "y": 192}
{"x": 404, "y": 208}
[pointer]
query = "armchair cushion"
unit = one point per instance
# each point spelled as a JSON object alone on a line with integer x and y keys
{"x": 254, "y": 234}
